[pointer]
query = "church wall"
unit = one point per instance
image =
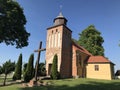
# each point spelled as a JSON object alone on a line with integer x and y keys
{"x": 74, "y": 67}
{"x": 53, "y": 46}
{"x": 79, "y": 60}
{"x": 66, "y": 62}
{"x": 104, "y": 71}
{"x": 112, "y": 70}
{"x": 59, "y": 42}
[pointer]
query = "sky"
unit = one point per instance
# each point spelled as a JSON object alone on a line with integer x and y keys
{"x": 104, "y": 14}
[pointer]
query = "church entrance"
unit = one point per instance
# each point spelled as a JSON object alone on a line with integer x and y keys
{"x": 49, "y": 69}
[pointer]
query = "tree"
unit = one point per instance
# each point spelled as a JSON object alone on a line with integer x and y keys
{"x": 91, "y": 40}
{"x": 41, "y": 69}
{"x": 18, "y": 69}
{"x": 29, "y": 73}
{"x": 54, "y": 72}
{"x": 24, "y": 68}
{"x": 1, "y": 70}
{"x": 8, "y": 67}
{"x": 117, "y": 73}
{"x": 12, "y": 21}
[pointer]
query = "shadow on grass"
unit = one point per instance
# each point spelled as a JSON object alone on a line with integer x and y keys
{"x": 89, "y": 86}
{"x": 10, "y": 83}
{"x": 34, "y": 88}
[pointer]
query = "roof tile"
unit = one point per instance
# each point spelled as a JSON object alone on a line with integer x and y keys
{"x": 98, "y": 59}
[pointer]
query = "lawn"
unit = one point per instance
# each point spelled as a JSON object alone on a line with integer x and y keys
{"x": 71, "y": 84}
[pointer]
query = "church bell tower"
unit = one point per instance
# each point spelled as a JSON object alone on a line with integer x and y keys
{"x": 59, "y": 42}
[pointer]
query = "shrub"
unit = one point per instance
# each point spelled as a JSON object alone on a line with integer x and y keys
{"x": 29, "y": 73}
{"x": 54, "y": 72}
{"x": 18, "y": 69}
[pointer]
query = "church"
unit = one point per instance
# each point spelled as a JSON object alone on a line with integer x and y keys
{"x": 73, "y": 59}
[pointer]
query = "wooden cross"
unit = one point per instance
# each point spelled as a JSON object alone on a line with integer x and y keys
{"x": 38, "y": 59}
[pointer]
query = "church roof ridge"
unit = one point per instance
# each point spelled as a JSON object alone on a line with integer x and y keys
{"x": 82, "y": 49}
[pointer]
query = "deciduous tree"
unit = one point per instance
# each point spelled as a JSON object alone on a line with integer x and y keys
{"x": 8, "y": 67}
{"x": 91, "y": 39}
{"x": 1, "y": 71}
{"x": 12, "y": 21}
{"x": 41, "y": 69}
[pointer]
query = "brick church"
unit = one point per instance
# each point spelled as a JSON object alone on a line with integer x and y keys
{"x": 73, "y": 59}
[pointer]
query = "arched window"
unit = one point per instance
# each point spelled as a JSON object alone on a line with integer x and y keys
{"x": 78, "y": 58}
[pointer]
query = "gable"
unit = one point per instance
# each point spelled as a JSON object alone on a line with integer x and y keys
{"x": 80, "y": 48}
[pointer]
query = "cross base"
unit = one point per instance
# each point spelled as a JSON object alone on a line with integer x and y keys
{"x": 33, "y": 83}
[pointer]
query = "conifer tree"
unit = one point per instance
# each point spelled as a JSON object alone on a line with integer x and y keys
{"x": 29, "y": 73}
{"x": 91, "y": 40}
{"x": 24, "y": 68}
{"x": 54, "y": 72}
{"x": 18, "y": 69}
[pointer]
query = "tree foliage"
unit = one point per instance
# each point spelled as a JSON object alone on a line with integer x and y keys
{"x": 12, "y": 21}
{"x": 29, "y": 73}
{"x": 18, "y": 69}
{"x": 41, "y": 69}
{"x": 1, "y": 70}
{"x": 8, "y": 67}
{"x": 24, "y": 68}
{"x": 54, "y": 72}
{"x": 91, "y": 40}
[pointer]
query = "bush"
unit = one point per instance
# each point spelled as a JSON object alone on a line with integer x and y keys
{"x": 18, "y": 69}
{"x": 29, "y": 73}
{"x": 54, "y": 72}
{"x": 41, "y": 69}
{"x": 27, "y": 76}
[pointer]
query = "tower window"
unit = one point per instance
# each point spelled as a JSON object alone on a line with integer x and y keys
{"x": 56, "y": 30}
{"x": 52, "y": 31}
{"x": 96, "y": 67}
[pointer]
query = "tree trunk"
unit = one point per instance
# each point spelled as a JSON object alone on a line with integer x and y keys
{"x": 4, "y": 83}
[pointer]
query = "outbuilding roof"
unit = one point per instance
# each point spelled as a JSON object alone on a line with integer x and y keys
{"x": 98, "y": 59}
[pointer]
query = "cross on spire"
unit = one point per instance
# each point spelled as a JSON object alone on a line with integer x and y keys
{"x": 61, "y": 8}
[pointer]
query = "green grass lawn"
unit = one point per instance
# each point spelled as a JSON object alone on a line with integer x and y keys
{"x": 72, "y": 84}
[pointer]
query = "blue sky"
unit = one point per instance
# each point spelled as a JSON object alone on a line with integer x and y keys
{"x": 104, "y": 14}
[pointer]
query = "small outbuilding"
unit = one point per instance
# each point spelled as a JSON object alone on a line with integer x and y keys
{"x": 99, "y": 67}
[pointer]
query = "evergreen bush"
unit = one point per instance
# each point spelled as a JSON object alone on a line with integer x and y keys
{"x": 18, "y": 69}
{"x": 29, "y": 73}
{"x": 54, "y": 73}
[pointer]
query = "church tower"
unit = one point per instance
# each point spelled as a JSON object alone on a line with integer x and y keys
{"x": 59, "y": 42}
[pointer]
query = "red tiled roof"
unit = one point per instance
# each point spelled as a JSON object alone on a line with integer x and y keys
{"x": 98, "y": 59}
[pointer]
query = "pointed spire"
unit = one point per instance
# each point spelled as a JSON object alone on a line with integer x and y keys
{"x": 60, "y": 15}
